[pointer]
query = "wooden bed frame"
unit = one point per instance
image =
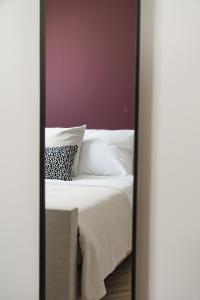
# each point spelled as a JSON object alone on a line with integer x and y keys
{"x": 62, "y": 273}
{"x": 61, "y": 254}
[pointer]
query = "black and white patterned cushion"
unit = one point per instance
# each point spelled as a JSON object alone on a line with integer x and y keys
{"x": 59, "y": 162}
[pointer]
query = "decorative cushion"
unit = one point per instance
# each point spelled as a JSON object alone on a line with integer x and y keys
{"x": 59, "y": 161}
{"x": 58, "y": 137}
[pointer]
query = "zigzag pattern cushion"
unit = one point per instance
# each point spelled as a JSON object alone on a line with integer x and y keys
{"x": 59, "y": 162}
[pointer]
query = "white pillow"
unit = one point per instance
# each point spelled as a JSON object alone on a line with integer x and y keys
{"x": 58, "y": 137}
{"x": 106, "y": 152}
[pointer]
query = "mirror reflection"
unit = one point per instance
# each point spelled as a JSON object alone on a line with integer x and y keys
{"x": 89, "y": 148}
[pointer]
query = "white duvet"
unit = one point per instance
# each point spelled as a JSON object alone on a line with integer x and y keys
{"x": 105, "y": 224}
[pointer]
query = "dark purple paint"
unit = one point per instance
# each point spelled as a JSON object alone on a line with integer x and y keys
{"x": 90, "y": 63}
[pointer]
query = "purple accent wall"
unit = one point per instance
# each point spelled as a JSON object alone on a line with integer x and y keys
{"x": 90, "y": 63}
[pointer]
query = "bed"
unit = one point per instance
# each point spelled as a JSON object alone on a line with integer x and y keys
{"x": 102, "y": 223}
{"x": 88, "y": 219}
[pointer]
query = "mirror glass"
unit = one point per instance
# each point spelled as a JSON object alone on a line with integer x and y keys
{"x": 90, "y": 55}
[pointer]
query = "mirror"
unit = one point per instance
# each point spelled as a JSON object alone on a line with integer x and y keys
{"x": 90, "y": 107}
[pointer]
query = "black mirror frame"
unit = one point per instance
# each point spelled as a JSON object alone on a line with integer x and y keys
{"x": 42, "y": 147}
{"x": 135, "y": 194}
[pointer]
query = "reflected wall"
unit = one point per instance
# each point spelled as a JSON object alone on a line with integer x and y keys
{"x": 90, "y": 63}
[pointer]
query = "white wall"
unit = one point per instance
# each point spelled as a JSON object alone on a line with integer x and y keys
{"x": 19, "y": 150}
{"x": 168, "y": 262}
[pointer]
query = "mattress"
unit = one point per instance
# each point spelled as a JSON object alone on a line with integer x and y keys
{"x": 104, "y": 220}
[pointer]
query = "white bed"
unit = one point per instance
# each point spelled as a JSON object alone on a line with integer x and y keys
{"x": 105, "y": 223}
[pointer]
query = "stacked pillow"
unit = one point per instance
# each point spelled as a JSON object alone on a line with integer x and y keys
{"x": 107, "y": 152}
{"x": 62, "y": 150}
{"x": 77, "y": 151}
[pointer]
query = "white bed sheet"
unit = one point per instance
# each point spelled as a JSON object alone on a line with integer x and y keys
{"x": 105, "y": 224}
{"x": 124, "y": 183}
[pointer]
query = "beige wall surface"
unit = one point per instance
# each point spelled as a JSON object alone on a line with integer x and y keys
{"x": 19, "y": 150}
{"x": 168, "y": 249}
